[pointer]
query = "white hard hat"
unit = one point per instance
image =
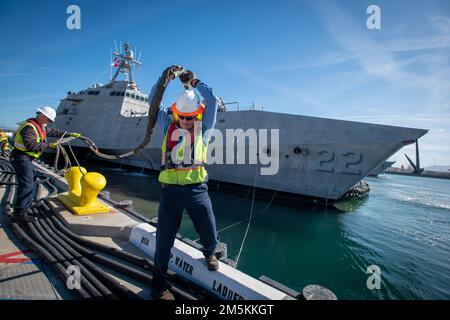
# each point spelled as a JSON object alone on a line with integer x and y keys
{"x": 49, "y": 112}
{"x": 188, "y": 104}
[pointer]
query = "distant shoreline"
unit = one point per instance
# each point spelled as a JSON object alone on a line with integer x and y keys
{"x": 425, "y": 174}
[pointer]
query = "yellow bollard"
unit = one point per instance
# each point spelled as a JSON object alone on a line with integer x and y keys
{"x": 73, "y": 177}
{"x": 83, "y": 190}
{"x": 91, "y": 184}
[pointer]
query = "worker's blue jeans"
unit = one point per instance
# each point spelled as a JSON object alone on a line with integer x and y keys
{"x": 26, "y": 188}
{"x": 174, "y": 199}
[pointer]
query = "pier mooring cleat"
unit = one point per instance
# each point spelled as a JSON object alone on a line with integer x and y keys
{"x": 163, "y": 295}
{"x": 212, "y": 263}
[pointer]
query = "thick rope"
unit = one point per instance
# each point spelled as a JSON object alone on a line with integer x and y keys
{"x": 249, "y": 219}
{"x": 76, "y": 160}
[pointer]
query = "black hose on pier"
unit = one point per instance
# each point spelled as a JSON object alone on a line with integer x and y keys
{"x": 48, "y": 258}
{"x": 111, "y": 282}
{"x": 32, "y": 226}
{"x": 177, "y": 282}
{"x": 122, "y": 268}
{"x": 7, "y": 173}
{"x": 72, "y": 258}
{"x": 141, "y": 262}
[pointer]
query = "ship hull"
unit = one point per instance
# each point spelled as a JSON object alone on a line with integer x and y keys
{"x": 318, "y": 157}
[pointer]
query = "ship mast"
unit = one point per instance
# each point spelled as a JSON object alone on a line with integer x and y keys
{"x": 125, "y": 62}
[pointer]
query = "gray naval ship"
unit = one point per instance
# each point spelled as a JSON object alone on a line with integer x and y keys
{"x": 319, "y": 159}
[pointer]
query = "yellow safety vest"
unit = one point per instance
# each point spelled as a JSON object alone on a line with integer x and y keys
{"x": 184, "y": 174}
{"x": 3, "y": 137}
{"x": 4, "y": 144}
{"x": 18, "y": 140}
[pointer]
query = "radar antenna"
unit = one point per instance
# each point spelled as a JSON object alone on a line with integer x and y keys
{"x": 125, "y": 62}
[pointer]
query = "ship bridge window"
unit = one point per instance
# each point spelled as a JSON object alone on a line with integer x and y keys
{"x": 146, "y": 99}
{"x": 128, "y": 94}
{"x": 133, "y": 96}
{"x": 96, "y": 93}
{"x": 142, "y": 98}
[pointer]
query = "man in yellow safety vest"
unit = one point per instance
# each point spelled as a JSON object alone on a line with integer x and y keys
{"x": 30, "y": 141}
{"x": 183, "y": 175}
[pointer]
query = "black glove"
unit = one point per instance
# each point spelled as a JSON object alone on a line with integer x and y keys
{"x": 174, "y": 71}
{"x": 188, "y": 78}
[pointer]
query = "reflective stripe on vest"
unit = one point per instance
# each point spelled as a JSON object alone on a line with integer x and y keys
{"x": 39, "y": 133}
{"x": 180, "y": 173}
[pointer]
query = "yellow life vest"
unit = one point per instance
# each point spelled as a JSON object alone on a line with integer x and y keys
{"x": 174, "y": 171}
{"x": 39, "y": 133}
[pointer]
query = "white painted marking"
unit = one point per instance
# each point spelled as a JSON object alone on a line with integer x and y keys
{"x": 188, "y": 262}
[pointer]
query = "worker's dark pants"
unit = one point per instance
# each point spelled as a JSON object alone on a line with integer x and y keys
{"x": 26, "y": 188}
{"x": 174, "y": 199}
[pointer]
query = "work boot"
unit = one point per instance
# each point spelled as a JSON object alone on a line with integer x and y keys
{"x": 212, "y": 263}
{"x": 162, "y": 295}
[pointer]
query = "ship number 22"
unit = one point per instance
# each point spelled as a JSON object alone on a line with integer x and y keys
{"x": 349, "y": 165}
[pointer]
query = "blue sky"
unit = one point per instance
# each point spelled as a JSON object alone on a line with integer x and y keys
{"x": 312, "y": 57}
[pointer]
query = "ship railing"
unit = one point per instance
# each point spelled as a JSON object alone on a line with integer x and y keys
{"x": 236, "y": 106}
